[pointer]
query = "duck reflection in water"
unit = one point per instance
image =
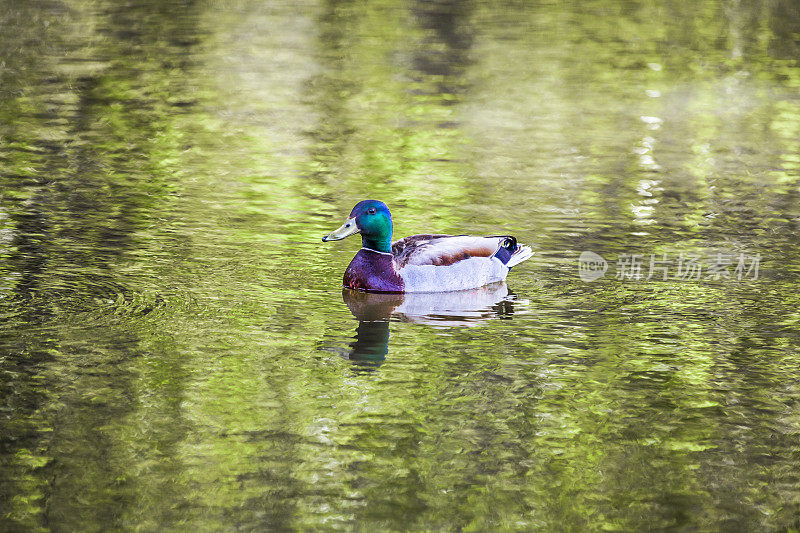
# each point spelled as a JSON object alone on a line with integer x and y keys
{"x": 374, "y": 311}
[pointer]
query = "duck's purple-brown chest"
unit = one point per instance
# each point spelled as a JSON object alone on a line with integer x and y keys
{"x": 373, "y": 271}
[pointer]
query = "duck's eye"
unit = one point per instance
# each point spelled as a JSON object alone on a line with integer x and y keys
{"x": 371, "y": 210}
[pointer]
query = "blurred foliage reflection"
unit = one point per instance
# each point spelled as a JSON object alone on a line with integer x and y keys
{"x": 175, "y": 348}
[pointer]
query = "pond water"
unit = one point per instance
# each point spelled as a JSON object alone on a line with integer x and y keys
{"x": 176, "y": 350}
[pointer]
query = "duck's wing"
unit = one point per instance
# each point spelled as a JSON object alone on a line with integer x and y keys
{"x": 442, "y": 250}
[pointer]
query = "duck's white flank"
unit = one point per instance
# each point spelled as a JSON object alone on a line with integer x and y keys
{"x": 465, "y": 274}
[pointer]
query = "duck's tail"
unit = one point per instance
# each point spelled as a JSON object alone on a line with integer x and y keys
{"x": 511, "y": 253}
{"x": 521, "y": 254}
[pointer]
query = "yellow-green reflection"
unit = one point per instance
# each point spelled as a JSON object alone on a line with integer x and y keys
{"x": 175, "y": 351}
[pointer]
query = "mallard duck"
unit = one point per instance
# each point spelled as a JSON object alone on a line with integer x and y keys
{"x": 422, "y": 263}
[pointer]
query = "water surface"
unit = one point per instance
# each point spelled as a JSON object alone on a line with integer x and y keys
{"x": 176, "y": 351}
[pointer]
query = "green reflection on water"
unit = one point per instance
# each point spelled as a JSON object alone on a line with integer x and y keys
{"x": 176, "y": 352}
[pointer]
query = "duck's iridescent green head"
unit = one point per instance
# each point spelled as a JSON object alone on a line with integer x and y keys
{"x": 372, "y": 219}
